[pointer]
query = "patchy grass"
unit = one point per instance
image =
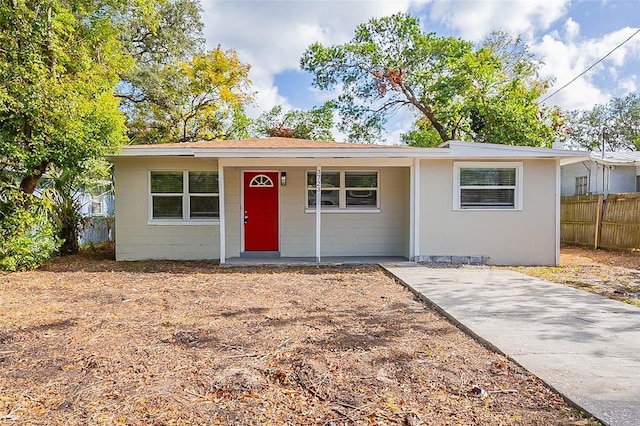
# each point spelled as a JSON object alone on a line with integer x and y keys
{"x": 87, "y": 340}
{"x": 612, "y": 274}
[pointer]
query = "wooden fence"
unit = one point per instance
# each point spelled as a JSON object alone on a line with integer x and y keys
{"x": 591, "y": 220}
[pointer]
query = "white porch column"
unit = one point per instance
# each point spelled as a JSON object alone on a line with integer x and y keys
{"x": 318, "y": 210}
{"x": 412, "y": 213}
{"x": 416, "y": 209}
{"x": 221, "y": 212}
{"x": 558, "y": 213}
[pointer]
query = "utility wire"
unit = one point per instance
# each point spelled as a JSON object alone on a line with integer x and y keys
{"x": 596, "y": 63}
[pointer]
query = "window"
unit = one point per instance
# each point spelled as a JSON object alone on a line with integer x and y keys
{"x": 97, "y": 205}
{"x": 184, "y": 196}
{"x": 344, "y": 190}
{"x": 581, "y": 185}
{"x": 488, "y": 186}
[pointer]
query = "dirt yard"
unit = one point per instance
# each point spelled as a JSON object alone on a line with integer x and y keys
{"x": 91, "y": 341}
{"x": 615, "y": 275}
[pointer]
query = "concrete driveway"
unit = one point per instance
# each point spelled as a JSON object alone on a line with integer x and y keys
{"x": 585, "y": 346}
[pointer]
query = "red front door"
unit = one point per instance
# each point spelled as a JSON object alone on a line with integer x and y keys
{"x": 261, "y": 211}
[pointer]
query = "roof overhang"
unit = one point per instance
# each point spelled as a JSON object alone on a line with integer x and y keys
{"x": 455, "y": 150}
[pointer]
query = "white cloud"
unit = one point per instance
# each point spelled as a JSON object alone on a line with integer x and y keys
{"x": 566, "y": 57}
{"x": 272, "y": 35}
{"x": 475, "y": 19}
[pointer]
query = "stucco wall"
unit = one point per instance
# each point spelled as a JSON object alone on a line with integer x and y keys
{"x": 385, "y": 233}
{"x": 136, "y": 238}
{"x": 343, "y": 234}
{"x": 526, "y": 237}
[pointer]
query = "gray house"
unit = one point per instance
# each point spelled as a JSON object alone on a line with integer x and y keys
{"x": 228, "y": 199}
{"x": 608, "y": 173}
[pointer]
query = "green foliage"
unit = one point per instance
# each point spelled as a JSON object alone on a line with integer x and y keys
{"x": 202, "y": 99}
{"x": 59, "y": 64}
{"x": 616, "y": 123}
{"x": 64, "y": 190}
{"x": 315, "y": 124}
{"x": 27, "y": 237}
{"x": 457, "y": 91}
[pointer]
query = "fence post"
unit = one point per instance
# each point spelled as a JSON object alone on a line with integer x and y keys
{"x": 599, "y": 209}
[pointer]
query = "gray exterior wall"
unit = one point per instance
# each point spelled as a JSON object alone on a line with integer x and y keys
{"x": 525, "y": 237}
{"x": 136, "y": 239}
{"x": 349, "y": 234}
{"x": 384, "y": 233}
{"x": 603, "y": 179}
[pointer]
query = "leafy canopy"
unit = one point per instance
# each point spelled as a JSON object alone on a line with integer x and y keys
{"x": 314, "y": 124}
{"x": 59, "y": 64}
{"x": 617, "y": 124}
{"x": 201, "y": 100}
{"x": 455, "y": 90}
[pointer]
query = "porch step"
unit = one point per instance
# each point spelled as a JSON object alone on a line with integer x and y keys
{"x": 258, "y": 254}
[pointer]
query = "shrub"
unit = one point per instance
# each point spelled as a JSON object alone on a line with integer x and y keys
{"x": 27, "y": 236}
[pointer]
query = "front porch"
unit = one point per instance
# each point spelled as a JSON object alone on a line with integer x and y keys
{"x": 326, "y": 260}
{"x": 307, "y": 233}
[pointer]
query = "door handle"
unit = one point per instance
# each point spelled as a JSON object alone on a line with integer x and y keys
{"x": 246, "y": 219}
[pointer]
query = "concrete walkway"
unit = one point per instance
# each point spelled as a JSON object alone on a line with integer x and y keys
{"x": 585, "y": 346}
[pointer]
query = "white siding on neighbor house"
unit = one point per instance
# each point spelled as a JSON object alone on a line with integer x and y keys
{"x": 525, "y": 237}
{"x": 136, "y": 238}
{"x": 603, "y": 179}
{"x": 622, "y": 179}
{"x": 569, "y": 174}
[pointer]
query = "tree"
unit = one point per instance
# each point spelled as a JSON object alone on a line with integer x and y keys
{"x": 456, "y": 90}
{"x": 315, "y": 124}
{"x": 617, "y": 124}
{"x": 201, "y": 99}
{"x": 59, "y": 64}
{"x": 65, "y": 190}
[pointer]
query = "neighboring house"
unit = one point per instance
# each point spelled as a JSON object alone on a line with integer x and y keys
{"x": 227, "y": 199}
{"x": 611, "y": 173}
{"x": 98, "y": 209}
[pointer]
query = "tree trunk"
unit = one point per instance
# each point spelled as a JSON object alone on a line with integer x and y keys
{"x": 29, "y": 183}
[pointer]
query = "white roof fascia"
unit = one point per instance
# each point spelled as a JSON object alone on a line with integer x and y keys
{"x": 614, "y": 161}
{"x": 456, "y": 150}
{"x": 311, "y": 153}
{"x": 482, "y": 150}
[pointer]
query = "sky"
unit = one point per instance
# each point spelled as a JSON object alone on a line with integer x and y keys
{"x": 567, "y": 35}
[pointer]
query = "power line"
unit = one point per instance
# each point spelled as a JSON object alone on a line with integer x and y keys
{"x": 594, "y": 64}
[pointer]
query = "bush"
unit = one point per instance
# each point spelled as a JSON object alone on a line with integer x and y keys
{"x": 27, "y": 236}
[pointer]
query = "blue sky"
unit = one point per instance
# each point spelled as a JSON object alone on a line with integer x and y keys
{"x": 567, "y": 35}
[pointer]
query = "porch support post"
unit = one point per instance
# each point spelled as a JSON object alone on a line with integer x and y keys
{"x": 416, "y": 210}
{"x": 318, "y": 210}
{"x": 412, "y": 212}
{"x": 558, "y": 212}
{"x": 221, "y": 212}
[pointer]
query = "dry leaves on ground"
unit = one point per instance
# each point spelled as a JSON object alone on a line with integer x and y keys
{"x": 92, "y": 341}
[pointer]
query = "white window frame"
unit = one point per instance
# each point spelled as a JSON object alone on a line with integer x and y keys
{"x": 186, "y": 197}
{"x": 517, "y": 196}
{"x": 342, "y": 194}
{"x": 98, "y": 199}
{"x": 581, "y": 182}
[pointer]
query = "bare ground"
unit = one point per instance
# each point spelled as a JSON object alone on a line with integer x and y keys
{"x": 90, "y": 341}
{"x": 613, "y": 274}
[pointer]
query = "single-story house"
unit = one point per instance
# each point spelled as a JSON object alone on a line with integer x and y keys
{"x": 227, "y": 199}
{"x": 608, "y": 173}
